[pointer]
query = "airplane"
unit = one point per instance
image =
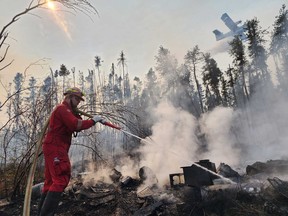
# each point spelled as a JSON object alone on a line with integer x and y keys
{"x": 234, "y": 29}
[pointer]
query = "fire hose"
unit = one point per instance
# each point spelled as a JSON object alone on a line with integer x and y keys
{"x": 109, "y": 124}
{"x": 27, "y": 200}
{"x": 30, "y": 179}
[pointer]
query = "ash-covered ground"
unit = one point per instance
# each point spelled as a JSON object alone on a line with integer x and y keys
{"x": 258, "y": 192}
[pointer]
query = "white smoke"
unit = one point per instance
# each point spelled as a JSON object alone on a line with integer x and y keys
{"x": 220, "y": 47}
{"x": 127, "y": 167}
{"x": 235, "y": 137}
{"x": 238, "y": 138}
{"x": 216, "y": 126}
{"x": 264, "y": 131}
{"x": 174, "y": 141}
{"x": 90, "y": 178}
{"x": 101, "y": 173}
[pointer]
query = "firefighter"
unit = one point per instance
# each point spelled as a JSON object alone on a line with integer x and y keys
{"x": 63, "y": 123}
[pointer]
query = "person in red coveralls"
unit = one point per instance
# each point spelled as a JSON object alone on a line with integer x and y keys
{"x": 63, "y": 123}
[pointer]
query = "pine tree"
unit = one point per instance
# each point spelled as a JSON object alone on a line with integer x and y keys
{"x": 237, "y": 51}
{"x": 231, "y": 85}
{"x": 17, "y": 103}
{"x": 192, "y": 59}
{"x": 211, "y": 79}
{"x": 63, "y": 72}
{"x": 47, "y": 93}
{"x": 258, "y": 54}
{"x": 166, "y": 66}
{"x": 97, "y": 65}
{"x": 122, "y": 61}
{"x": 279, "y": 48}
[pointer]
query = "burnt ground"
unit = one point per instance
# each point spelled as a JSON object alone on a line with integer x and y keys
{"x": 254, "y": 195}
{"x": 110, "y": 200}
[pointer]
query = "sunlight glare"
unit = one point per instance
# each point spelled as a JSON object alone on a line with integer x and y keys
{"x": 51, "y": 5}
{"x": 60, "y": 21}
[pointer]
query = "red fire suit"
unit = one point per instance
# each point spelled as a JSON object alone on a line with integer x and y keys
{"x": 56, "y": 146}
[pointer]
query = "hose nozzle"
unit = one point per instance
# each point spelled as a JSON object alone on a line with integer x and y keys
{"x": 110, "y": 125}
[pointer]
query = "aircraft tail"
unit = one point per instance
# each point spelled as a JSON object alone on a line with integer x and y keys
{"x": 219, "y": 35}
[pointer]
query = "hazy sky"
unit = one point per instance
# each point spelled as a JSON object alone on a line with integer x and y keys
{"x": 138, "y": 27}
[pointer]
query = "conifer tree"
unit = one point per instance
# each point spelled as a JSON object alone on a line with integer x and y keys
{"x": 257, "y": 54}
{"x": 211, "y": 79}
{"x": 239, "y": 71}
{"x": 192, "y": 59}
{"x": 64, "y": 72}
{"x": 279, "y": 48}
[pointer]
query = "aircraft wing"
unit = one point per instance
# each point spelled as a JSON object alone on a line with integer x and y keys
{"x": 229, "y": 22}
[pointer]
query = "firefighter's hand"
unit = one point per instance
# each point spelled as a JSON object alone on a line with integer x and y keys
{"x": 103, "y": 121}
{"x": 97, "y": 118}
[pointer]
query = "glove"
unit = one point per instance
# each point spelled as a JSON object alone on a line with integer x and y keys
{"x": 103, "y": 121}
{"x": 97, "y": 119}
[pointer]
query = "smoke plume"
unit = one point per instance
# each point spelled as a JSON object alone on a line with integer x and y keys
{"x": 173, "y": 144}
{"x": 235, "y": 137}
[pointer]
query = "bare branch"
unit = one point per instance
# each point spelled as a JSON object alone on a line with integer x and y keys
{"x": 19, "y": 114}
{"x": 17, "y": 17}
{"x": 5, "y": 53}
{"x": 7, "y": 65}
{"x": 33, "y": 64}
{"x": 15, "y": 93}
{"x": 3, "y": 40}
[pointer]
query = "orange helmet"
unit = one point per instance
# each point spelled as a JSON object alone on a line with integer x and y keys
{"x": 75, "y": 91}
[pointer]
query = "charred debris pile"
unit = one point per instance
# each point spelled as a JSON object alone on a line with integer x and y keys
{"x": 202, "y": 189}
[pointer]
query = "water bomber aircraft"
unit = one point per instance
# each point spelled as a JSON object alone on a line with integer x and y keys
{"x": 234, "y": 27}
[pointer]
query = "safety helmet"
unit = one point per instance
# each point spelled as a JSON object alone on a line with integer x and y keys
{"x": 75, "y": 91}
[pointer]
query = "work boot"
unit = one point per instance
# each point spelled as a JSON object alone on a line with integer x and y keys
{"x": 51, "y": 203}
{"x": 42, "y": 198}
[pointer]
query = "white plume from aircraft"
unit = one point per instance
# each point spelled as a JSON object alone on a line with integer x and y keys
{"x": 234, "y": 29}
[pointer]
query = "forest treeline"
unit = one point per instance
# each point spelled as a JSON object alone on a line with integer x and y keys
{"x": 196, "y": 86}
